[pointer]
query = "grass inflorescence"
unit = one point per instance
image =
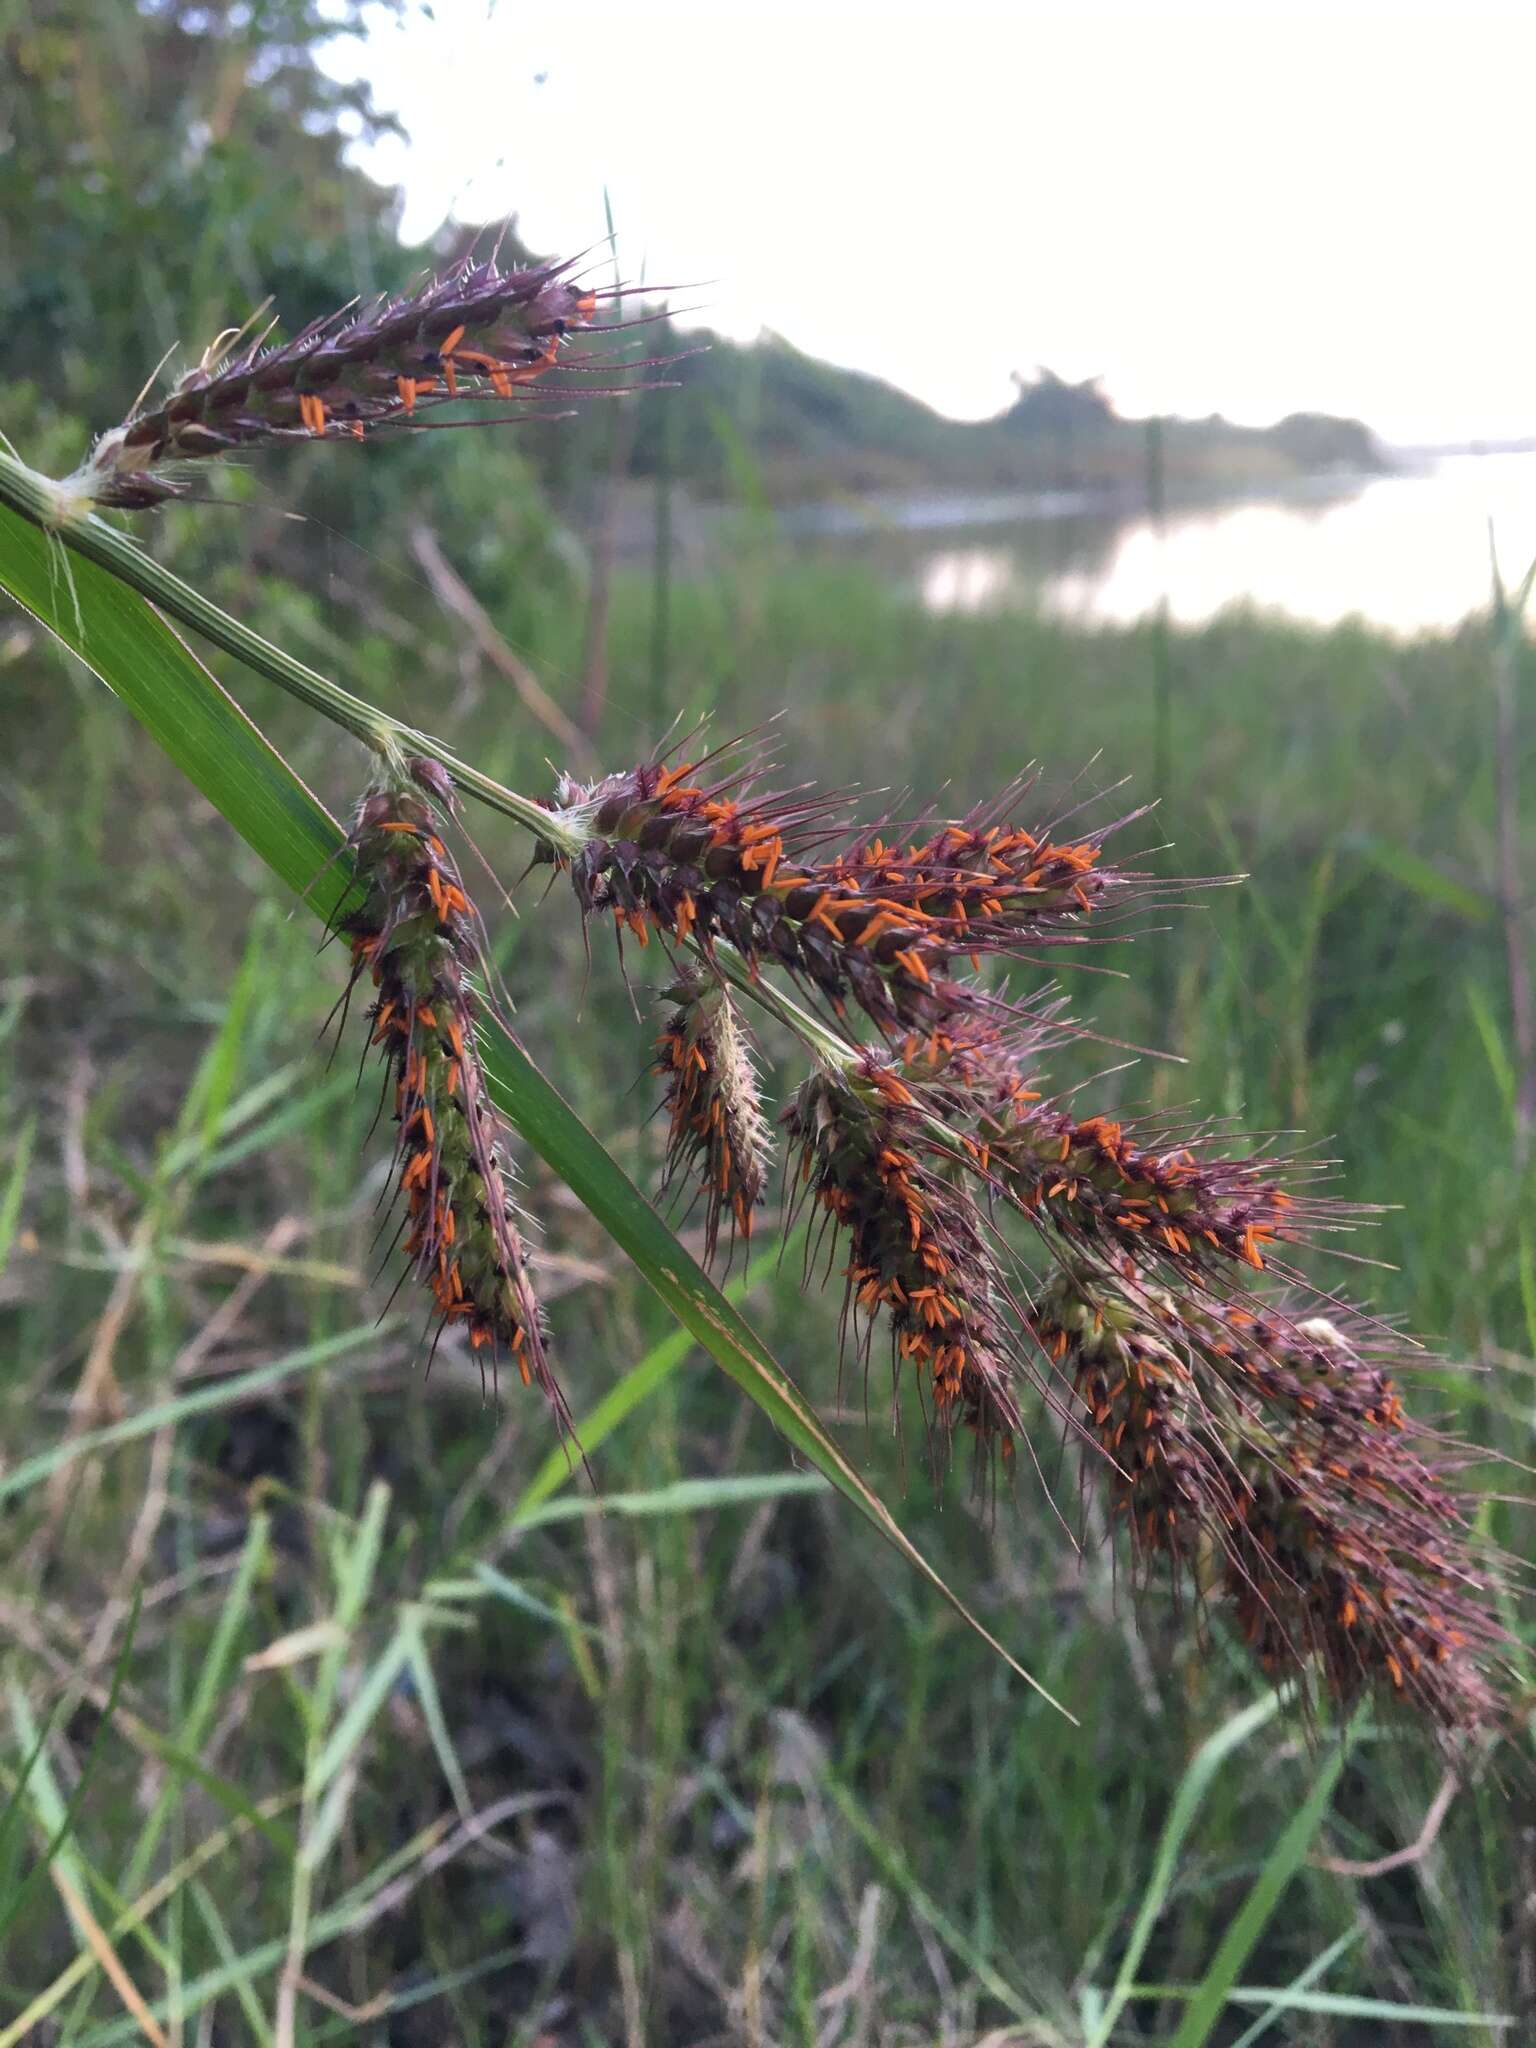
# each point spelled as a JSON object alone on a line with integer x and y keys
{"x": 1155, "y": 1306}
{"x": 1265, "y": 1456}
{"x": 756, "y": 1636}
{"x": 415, "y": 938}
{"x": 474, "y": 332}
{"x": 1021, "y": 1253}
{"x": 715, "y": 1122}
{"x": 694, "y": 851}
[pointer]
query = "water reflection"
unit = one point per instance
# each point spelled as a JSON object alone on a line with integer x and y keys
{"x": 1407, "y": 553}
{"x": 967, "y": 579}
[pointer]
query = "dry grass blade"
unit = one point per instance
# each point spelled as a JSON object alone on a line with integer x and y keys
{"x": 95, "y": 1939}
{"x": 456, "y": 598}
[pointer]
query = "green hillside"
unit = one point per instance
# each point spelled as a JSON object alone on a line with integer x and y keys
{"x": 812, "y": 429}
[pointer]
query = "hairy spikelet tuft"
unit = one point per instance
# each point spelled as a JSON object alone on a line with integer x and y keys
{"x": 704, "y": 856}
{"x": 476, "y": 332}
{"x": 716, "y": 1126}
{"x": 415, "y": 937}
{"x": 919, "y": 1251}
{"x": 1267, "y": 1461}
{"x": 1169, "y": 1201}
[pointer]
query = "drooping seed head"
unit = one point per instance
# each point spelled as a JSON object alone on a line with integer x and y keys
{"x": 707, "y": 855}
{"x": 1267, "y": 1461}
{"x": 1170, "y": 1201}
{"x": 919, "y": 1251}
{"x": 415, "y": 937}
{"x": 716, "y": 1126}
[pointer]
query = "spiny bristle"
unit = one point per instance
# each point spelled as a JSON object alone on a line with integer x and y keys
{"x": 415, "y": 936}
{"x": 920, "y": 1253}
{"x": 716, "y": 1125}
{"x": 475, "y": 332}
{"x": 704, "y": 858}
{"x": 1268, "y": 1462}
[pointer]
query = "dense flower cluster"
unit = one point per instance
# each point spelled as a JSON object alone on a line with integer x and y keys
{"x": 919, "y": 1248}
{"x": 1259, "y": 1453}
{"x": 415, "y": 938}
{"x": 1266, "y": 1457}
{"x": 1167, "y": 1201}
{"x": 475, "y": 332}
{"x": 715, "y": 1122}
{"x": 704, "y": 857}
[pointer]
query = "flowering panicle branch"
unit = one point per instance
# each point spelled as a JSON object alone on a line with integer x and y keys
{"x": 1169, "y": 1201}
{"x": 702, "y": 858}
{"x": 1269, "y": 1461}
{"x": 716, "y": 1126}
{"x": 919, "y": 1252}
{"x": 1263, "y": 1457}
{"x": 415, "y": 937}
{"x": 475, "y": 332}
{"x": 1166, "y": 1203}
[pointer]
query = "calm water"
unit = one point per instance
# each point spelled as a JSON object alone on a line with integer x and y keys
{"x": 1404, "y": 552}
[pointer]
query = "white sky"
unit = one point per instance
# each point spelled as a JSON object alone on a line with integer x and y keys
{"x": 1246, "y": 208}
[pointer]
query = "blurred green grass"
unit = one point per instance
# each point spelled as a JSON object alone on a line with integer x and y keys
{"x": 748, "y": 1783}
